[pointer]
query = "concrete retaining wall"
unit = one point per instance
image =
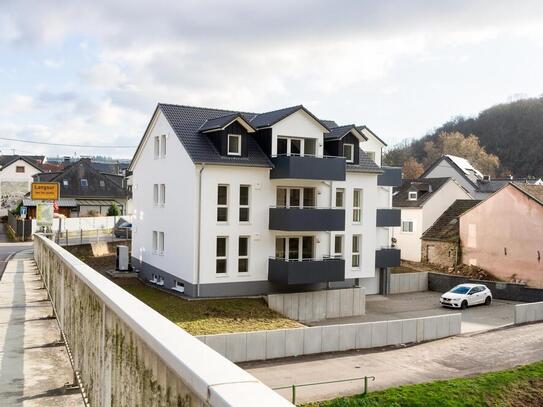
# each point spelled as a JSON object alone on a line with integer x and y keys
{"x": 503, "y": 291}
{"x": 280, "y": 343}
{"x": 127, "y": 354}
{"x": 319, "y": 305}
{"x": 408, "y": 282}
{"x": 528, "y": 312}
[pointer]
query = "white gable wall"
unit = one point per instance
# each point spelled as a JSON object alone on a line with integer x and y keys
{"x": 298, "y": 125}
{"x": 372, "y": 145}
{"x": 444, "y": 169}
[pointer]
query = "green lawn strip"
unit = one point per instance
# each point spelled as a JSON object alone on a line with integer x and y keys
{"x": 521, "y": 386}
{"x": 203, "y": 317}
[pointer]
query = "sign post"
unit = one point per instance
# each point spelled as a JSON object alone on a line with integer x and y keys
{"x": 46, "y": 193}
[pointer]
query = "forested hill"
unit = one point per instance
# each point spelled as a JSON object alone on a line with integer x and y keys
{"x": 512, "y": 131}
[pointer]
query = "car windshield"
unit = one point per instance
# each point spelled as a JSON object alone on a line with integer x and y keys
{"x": 460, "y": 290}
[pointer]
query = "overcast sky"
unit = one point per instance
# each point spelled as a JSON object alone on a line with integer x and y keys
{"x": 93, "y": 74}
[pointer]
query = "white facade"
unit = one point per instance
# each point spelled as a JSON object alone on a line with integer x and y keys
{"x": 186, "y": 224}
{"x": 15, "y": 180}
{"x": 423, "y": 217}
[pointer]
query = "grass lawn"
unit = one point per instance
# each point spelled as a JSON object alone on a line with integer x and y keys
{"x": 201, "y": 317}
{"x": 520, "y": 387}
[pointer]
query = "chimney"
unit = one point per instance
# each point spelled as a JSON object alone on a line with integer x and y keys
{"x": 66, "y": 161}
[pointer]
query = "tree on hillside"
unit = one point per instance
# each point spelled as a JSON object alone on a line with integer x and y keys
{"x": 412, "y": 169}
{"x": 468, "y": 147}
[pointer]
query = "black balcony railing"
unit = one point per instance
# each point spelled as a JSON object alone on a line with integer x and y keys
{"x": 387, "y": 257}
{"x": 389, "y": 217}
{"x": 309, "y": 271}
{"x": 391, "y": 177}
{"x": 307, "y": 219}
{"x": 308, "y": 167}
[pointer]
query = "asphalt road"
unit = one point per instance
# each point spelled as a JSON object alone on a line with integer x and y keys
{"x": 8, "y": 249}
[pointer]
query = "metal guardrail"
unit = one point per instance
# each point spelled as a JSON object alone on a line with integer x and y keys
{"x": 295, "y": 386}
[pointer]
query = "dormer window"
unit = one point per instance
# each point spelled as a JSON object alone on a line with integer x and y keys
{"x": 234, "y": 144}
{"x": 412, "y": 196}
{"x": 348, "y": 152}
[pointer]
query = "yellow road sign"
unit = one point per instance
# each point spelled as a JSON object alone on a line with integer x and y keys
{"x": 45, "y": 191}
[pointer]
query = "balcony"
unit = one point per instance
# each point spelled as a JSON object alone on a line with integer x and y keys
{"x": 387, "y": 257}
{"x": 389, "y": 217}
{"x": 312, "y": 271}
{"x": 307, "y": 219}
{"x": 391, "y": 177}
{"x": 316, "y": 168}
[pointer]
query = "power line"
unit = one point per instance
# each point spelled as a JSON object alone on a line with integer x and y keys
{"x": 61, "y": 144}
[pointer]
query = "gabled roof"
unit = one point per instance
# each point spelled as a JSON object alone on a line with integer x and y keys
{"x": 361, "y": 128}
{"x": 446, "y": 226}
{"x": 462, "y": 166}
{"x": 268, "y": 119}
{"x": 329, "y": 123}
{"x": 33, "y": 160}
{"x": 533, "y": 191}
{"x": 430, "y": 185}
{"x": 337, "y": 133}
{"x": 219, "y": 123}
{"x": 365, "y": 164}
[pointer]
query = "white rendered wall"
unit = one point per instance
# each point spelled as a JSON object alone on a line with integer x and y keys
{"x": 409, "y": 242}
{"x": 177, "y": 218}
{"x": 440, "y": 201}
{"x": 444, "y": 169}
{"x": 372, "y": 145}
{"x": 298, "y": 125}
{"x": 10, "y": 174}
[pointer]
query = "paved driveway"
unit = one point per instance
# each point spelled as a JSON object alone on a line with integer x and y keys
{"x": 423, "y": 304}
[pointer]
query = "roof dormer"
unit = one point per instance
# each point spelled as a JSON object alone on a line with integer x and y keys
{"x": 228, "y": 134}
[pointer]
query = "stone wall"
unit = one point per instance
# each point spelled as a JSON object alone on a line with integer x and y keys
{"x": 319, "y": 305}
{"x": 440, "y": 253}
{"x": 408, "y": 282}
{"x": 126, "y": 354}
{"x": 280, "y": 343}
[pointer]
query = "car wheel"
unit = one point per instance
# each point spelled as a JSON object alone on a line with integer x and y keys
{"x": 488, "y": 300}
{"x": 464, "y": 304}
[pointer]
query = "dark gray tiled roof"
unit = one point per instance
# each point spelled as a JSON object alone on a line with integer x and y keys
{"x": 366, "y": 164}
{"x": 270, "y": 118}
{"x": 329, "y": 123}
{"x": 34, "y": 160}
{"x": 220, "y": 122}
{"x": 337, "y": 133}
{"x": 446, "y": 227}
{"x": 431, "y": 185}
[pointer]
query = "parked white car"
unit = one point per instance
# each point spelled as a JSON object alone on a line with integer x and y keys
{"x": 465, "y": 295}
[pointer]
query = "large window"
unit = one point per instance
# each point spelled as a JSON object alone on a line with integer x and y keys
{"x": 310, "y": 147}
{"x": 348, "y": 152}
{"x": 407, "y": 226}
{"x": 234, "y": 144}
{"x": 243, "y": 254}
{"x": 244, "y": 191}
{"x": 295, "y": 197}
{"x": 221, "y": 257}
{"x": 357, "y": 206}
{"x": 296, "y": 146}
{"x": 222, "y": 203}
{"x": 356, "y": 251}
{"x": 340, "y": 198}
{"x": 295, "y": 248}
{"x": 338, "y": 245}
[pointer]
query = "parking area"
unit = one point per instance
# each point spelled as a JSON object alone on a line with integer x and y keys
{"x": 426, "y": 303}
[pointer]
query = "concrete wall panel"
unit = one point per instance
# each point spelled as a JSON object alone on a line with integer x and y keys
{"x": 430, "y": 328}
{"x": 394, "y": 332}
{"x": 330, "y": 338}
{"x": 363, "y": 335}
{"x": 379, "y": 334}
{"x": 217, "y": 343}
{"x": 256, "y": 345}
{"x": 319, "y": 305}
{"x": 442, "y": 326}
{"x": 409, "y": 330}
{"x": 332, "y": 304}
{"x": 346, "y": 303}
{"x": 294, "y": 342}
{"x": 347, "y": 337}
{"x": 275, "y": 344}
{"x": 312, "y": 340}
{"x": 236, "y": 347}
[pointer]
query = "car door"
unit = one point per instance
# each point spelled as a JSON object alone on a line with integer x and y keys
{"x": 472, "y": 296}
{"x": 479, "y": 295}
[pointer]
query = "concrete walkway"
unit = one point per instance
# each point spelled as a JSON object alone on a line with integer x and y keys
{"x": 33, "y": 366}
{"x": 443, "y": 359}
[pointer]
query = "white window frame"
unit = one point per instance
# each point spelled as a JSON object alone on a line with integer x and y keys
{"x": 155, "y": 194}
{"x": 302, "y": 146}
{"x": 340, "y": 253}
{"x": 162, "y": 194}
{"x": 65, "y": 182}
{"x": 161, "y": 243}
{"x": 245, "y": 206}
{"x": 342, "y": 191}
{"x": 225, "y": 257}
{"x": 351, "y": 158}
{"x": 155, "y": 241}
{"x": 163, "y": 139}
{"x": 371, "y": 155}
{"x": 406, "y": 222}
{"x": 412, "y": 195}
{"x": 302, "y": 193}
{"x": 355, "y": 258}
{"x": 238, "y": 136}
{"x": 156, "y": 147}
{"x": 246, "y": 256}
{"x": 223, "y": 205}
{"x": 357, "y": 210}
{"x": 300, "y": 246}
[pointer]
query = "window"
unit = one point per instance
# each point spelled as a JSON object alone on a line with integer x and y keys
{"x": 222, "y": 203}
{"x": 155, "y": 194}
{"x": 157, "y": 146}
{"x": 357, "y": 206}
{"x": 243, "y": 254}
{"x": 280, "y": 246}
{"x": 234, "y": 144}
{"x": 412, "y": 196}
{"x": 221, "y": 258}
{"x": 338, "y": 245}
{"x": 20, "y": 168}
{"x": 244, "y": 203}
{"x": 371, "y": 155}
{"x": 294, "y": 248}
{"x": 65, "y": 182}
{"x": 310, "y": 147}
{"x": 158, "y": 242}
{"x": 163, "y": 146}
{"x": 102, "y": 183}
{"x": 84, "y": 182}
{"x": 295, "y": 197}
{"x": 307, "y": 247}
{"x": 407, "y": 226}
{"x": 282, "y": 146}
{"x": 348, "y": 152}
{"x": 340, "y": 196}
{"x": 356, "y": 251}
{"x": 309, "y": 198}
{"x": 295, "y": 146}
{"x": 161, "y": 194}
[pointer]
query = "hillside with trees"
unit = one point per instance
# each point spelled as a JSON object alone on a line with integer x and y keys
{"x": 506, "y": 139}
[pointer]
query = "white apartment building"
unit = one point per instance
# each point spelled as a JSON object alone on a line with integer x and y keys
{"x": 231, "y": 203}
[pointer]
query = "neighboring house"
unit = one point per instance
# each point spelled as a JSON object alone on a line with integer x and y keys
{"x": 441, "y": 241}
{"x": 16, "y": 172}
{"x": 231, "y": 203}
{"x": 84, "y": 191}
{"x": 504, "y": 234}
{"x": 422, "y": 201}
{"x": 478, "y": 185}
